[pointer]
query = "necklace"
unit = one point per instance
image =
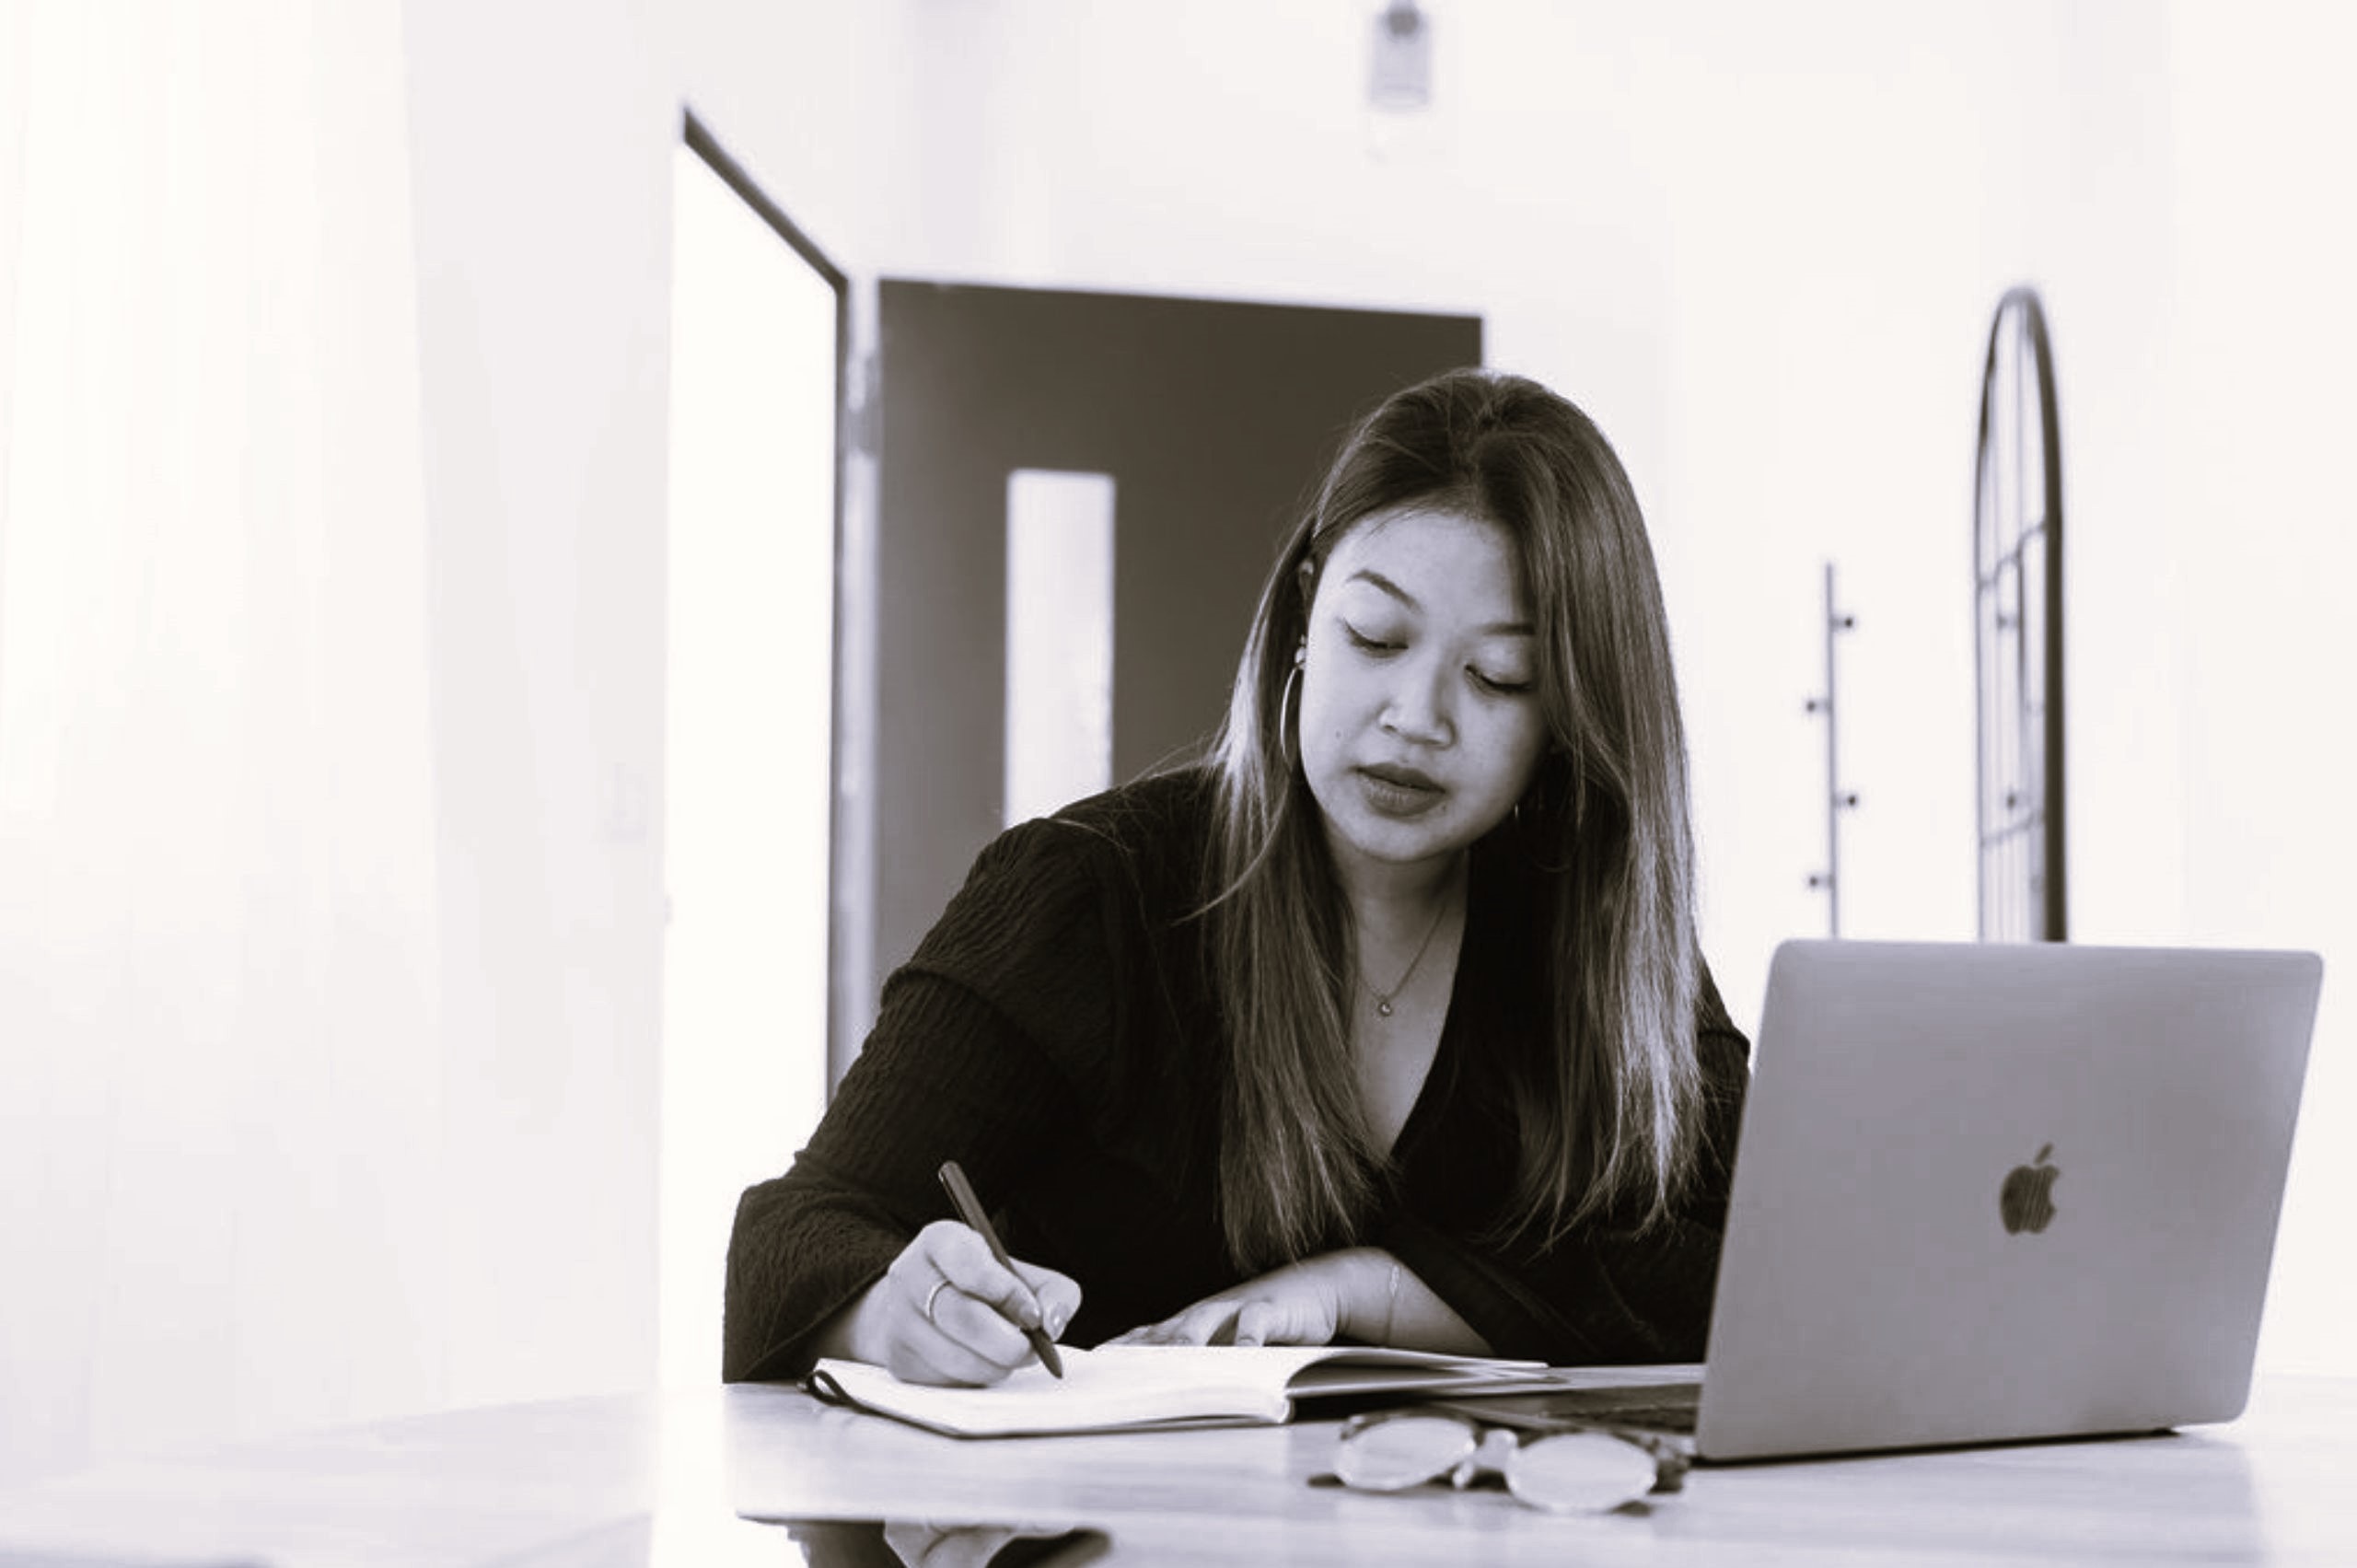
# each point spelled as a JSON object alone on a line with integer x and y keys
{"x": 1383, "y": 999}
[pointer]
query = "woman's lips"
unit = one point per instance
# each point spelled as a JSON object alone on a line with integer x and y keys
{"x": 1398, "y": 792}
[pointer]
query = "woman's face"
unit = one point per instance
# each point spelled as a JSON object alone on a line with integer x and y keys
{"x": 1420, "y": 710}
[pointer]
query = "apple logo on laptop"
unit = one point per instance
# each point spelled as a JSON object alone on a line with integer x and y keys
{"x": 2027, "y": 1201}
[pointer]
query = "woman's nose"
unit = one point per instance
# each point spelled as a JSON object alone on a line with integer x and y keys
{"x": 1419, "y": 707}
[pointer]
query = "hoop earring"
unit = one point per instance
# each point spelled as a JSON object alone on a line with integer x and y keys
{"x": 1288, "y": 697}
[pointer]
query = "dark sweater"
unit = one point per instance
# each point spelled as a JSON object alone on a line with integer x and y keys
{"x": 1057, "y": 1034}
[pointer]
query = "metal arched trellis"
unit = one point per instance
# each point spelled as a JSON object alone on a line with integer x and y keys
{"x": 2018, "y": 630}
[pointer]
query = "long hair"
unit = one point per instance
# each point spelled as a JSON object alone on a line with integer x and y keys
{"x": 1607, "y": 1106}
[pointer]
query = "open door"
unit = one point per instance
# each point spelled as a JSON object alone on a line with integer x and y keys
{"x": 757, "y": 330}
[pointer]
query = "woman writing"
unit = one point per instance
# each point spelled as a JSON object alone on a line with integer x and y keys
{"x": 1386, "y": 1022}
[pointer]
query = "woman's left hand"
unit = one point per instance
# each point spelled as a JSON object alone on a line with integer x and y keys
{"x": 1300, "y": 1304}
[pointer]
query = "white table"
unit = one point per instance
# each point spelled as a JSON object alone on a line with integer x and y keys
{"x": 657, "y": 1481}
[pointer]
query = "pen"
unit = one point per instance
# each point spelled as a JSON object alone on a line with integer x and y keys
{"x": 969, "y": 1209}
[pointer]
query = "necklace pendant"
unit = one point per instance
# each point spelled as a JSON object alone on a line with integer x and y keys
{"x": 1383, "y": 1006}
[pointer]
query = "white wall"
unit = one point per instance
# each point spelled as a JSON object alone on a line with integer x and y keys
{"x": 1761, "y": 247}
{"x": 541, "y": 144}
{"x": 329, "y": 633}
{"x": 2259, "y": 406}
{"x": 221, "y": 1074}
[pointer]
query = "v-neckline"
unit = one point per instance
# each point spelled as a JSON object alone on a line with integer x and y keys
{"x": 1440, "y": 1074}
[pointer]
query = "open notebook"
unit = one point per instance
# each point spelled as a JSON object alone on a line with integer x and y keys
{"x": 1125, "y": 1388}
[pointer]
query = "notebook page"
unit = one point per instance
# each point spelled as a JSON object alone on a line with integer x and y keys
{"x": 1116, "y": 1386}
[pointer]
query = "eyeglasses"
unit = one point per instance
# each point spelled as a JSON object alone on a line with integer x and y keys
{"x": 1563, "y": 1468}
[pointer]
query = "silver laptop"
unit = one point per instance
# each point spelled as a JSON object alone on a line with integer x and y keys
{"x": 1995, "y": 1191}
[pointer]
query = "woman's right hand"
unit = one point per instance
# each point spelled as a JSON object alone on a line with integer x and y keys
{"x": 947, "y": 1311}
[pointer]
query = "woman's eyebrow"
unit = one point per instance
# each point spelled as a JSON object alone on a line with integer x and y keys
{"x": 1494, "y": 629}
{"x": 1369, "y": 574}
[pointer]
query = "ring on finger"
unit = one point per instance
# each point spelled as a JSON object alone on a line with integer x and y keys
{"x": 930, "y": 1297}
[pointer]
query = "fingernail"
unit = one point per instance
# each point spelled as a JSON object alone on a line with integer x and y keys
{"x": 1029, "y": 1314}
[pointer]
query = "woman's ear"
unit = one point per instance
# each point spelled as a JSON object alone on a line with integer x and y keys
{"x": 1305, "y": 577}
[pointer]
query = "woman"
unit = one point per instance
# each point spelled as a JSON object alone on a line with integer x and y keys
{"x": 1385, "y": 1023}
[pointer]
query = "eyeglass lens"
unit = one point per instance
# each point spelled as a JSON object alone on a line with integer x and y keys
{"x": 1391, "y": 1455}
{"x": 1580, "y": 1471}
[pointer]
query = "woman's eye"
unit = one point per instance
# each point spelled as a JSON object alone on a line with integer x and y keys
{"x": 1362, "y": 640}
{"x": 1500, "y": 684}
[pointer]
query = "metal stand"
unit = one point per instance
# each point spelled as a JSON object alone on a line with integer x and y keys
{"x": 1837, "y": 799}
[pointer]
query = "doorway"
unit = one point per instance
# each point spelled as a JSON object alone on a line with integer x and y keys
{"x": 757, "y": 333}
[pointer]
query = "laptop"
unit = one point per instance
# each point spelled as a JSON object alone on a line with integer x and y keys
{"x": 1990, "y": 1192}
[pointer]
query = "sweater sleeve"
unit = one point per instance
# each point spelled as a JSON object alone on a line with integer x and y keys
{"x": 974, "y": 1056}
{"x": 1599, "y": 1295}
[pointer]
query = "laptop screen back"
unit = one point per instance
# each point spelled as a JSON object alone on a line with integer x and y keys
{"x": 1994, "y": 1191}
